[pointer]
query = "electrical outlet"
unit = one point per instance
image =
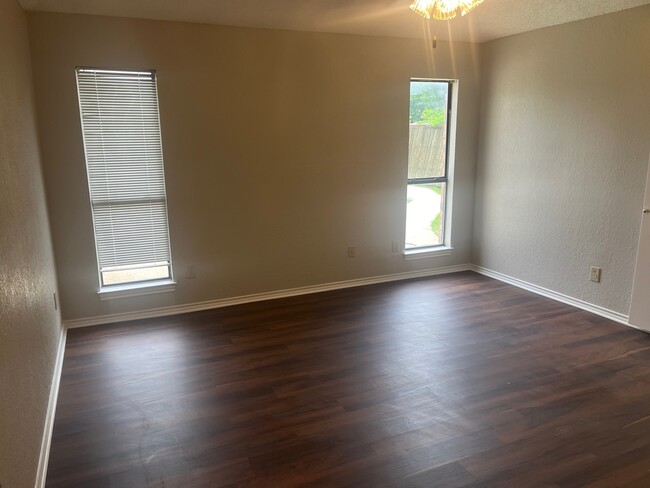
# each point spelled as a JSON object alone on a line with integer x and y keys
{"x": 351, "y": 252}
{"x": 190, "y": 272}
{"x": 595, "y": 274}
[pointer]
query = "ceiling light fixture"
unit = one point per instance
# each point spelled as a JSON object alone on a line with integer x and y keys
{"x": 443, "y": 9}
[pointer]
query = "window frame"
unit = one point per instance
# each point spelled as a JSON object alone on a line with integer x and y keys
{"x": 444, "y": 247}
{"x": 136, "y": 287}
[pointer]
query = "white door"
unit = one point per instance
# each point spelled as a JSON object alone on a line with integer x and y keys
{"x": 640, "y": 307}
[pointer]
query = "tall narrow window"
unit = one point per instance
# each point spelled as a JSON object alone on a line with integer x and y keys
{"x": 121, "y": 134}
{"x": 428, "y": 162}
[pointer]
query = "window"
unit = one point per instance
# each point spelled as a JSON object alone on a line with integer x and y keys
{"x": 121, "y": 135}
{"x": 428, "y": 162}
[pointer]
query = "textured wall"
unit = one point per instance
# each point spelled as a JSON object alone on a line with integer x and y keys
{"x": 564, "y": 143}
{"x": 281, "y": 149}
{"x": 29, "y": 325}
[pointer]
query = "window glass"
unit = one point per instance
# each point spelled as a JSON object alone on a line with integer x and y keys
{"x": 124, "y": 161}
{"x": 427, "y": 163}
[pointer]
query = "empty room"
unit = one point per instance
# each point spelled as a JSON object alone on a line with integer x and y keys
{"x": 325, "y": 243}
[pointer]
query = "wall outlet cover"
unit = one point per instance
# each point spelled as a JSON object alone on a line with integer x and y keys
{"x": 595, "y": 274}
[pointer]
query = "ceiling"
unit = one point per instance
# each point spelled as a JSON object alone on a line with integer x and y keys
{"x": 491, "y": 20}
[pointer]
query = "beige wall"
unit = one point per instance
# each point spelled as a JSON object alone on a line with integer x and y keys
{"x": 565, "y": 138}
{"x": 29, "y": 325}
{"x": 281, "y": 149}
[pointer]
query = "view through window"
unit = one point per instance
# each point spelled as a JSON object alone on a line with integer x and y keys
{"x": 427, "y": 163}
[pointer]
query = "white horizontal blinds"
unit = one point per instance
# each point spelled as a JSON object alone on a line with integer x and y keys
{"x": 121, "y": 129}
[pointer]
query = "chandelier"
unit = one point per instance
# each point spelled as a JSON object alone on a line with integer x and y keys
{"x": 443, "y": 9}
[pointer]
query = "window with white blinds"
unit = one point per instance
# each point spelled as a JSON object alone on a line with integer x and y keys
{"x": 121, "y": 134}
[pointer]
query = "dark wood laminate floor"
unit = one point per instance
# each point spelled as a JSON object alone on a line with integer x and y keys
{"x": 451, "y": 381}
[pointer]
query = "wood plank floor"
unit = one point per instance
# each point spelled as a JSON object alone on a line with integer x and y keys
{"x": 451, "y": 381}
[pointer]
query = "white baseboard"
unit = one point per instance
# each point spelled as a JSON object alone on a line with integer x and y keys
{"x": 560, "y": 297}
{"x": 226, "y": 302}
{"x": 258, "y": 297}
{"x": 44, "y": 456}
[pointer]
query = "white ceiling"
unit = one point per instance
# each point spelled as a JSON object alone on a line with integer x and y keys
{"x": 491, "y": 20}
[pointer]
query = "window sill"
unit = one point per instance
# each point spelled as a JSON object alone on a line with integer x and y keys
{"x": 428, "y": 252}
{"x": 134, "y": 290}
